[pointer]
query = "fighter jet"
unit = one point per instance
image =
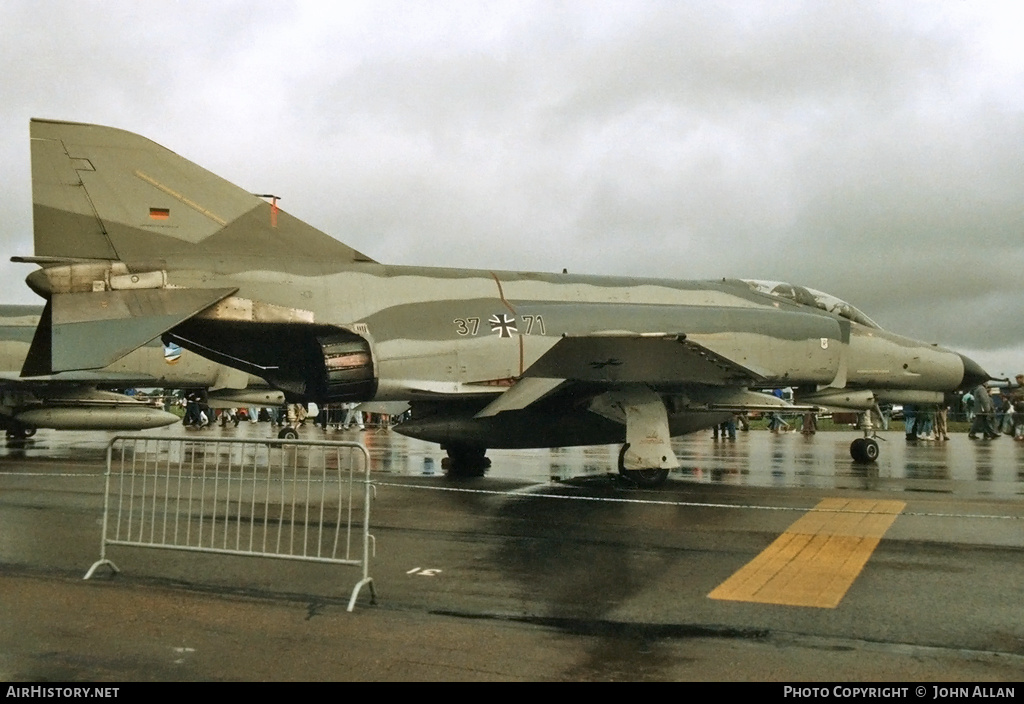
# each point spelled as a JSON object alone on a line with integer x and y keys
{"x": 135, "y": 242}
{"x": 83, "y": 400}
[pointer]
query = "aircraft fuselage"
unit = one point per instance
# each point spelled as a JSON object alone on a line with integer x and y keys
{"x": 457, "y": 332}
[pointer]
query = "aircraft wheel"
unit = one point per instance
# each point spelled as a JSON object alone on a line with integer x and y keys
{"x": 288, "y": 434}
{"x": 647, "y": 478}
{"x": 466, "y": 461}
{"x": 20, "y": 433}
{"x": 864, "y": 450}
{"x": 871, "y": 450}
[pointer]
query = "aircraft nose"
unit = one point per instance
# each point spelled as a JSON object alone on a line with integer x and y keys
{"x": 973, "y": 373}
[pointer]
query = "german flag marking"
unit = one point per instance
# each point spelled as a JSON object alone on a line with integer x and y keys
{"x": 816, "y": 560}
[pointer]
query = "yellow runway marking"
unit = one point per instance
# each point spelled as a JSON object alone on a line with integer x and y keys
{"x": 816, "y": 560}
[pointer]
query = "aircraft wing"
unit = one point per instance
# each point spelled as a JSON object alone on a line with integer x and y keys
{"x": 611, "y": 359}
{"x": 638, "y": 358}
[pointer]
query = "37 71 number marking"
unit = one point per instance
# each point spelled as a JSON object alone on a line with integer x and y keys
{"x": 529, "y": 321}
{"x": 467, "y": 326}
{"x": 531, "y": 325}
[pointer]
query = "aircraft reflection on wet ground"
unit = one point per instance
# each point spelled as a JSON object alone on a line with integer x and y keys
{"x": 757, "y": 459}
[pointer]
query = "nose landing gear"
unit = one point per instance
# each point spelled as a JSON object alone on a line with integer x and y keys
{"x": 865, "y": 450}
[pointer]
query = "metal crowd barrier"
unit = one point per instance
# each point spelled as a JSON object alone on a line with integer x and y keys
{"x": 287, "y": 499}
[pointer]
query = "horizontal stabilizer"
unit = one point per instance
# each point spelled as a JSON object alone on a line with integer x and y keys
{"x": 93, "y": 330}
{"x": 651, "y": 359}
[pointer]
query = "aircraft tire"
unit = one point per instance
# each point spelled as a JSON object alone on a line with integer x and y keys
{"x": 646, "y": 478}
{"x": 465, "y": 461}
{"x": 20, "y": 433}
{"x": 871, "y": 450}
{"x": 864, "y": 450}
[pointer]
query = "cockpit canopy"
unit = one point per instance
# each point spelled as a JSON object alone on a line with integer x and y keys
{"x": 811, "y": 297}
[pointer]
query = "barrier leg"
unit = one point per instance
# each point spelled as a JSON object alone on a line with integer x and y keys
{"x": 355, "y": 593}
{"x": 100, "y": 563}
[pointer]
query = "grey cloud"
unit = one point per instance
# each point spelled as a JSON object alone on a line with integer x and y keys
{"x": 872, "y": 149}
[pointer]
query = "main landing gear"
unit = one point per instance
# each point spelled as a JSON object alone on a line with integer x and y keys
{"x": 20, "y": 432}
{"x": 646, "y": 478}
{"x": 464, "y": 461}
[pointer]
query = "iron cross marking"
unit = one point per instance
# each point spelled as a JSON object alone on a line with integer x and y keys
{"x": 502, "y": 324}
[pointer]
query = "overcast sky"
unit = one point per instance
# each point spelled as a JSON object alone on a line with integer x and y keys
{"x": 873, "y": 150}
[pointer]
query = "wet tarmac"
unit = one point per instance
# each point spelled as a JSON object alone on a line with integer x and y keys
{"x": 549, "y": 568}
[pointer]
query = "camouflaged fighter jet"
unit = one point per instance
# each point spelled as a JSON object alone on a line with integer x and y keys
{"x": 136, "y": 242}
{"x": 82, "y": 400}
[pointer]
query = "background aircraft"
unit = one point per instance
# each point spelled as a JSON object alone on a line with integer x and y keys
{"x": 76, "y": 401}
{"x": 136, "y": 242}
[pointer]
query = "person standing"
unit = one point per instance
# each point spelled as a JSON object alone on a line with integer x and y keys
{"x": 941, "y": 422}
{"x": 743, "y": 421}
{"x": 1003, "y": 410}
{"x": 191, "y": 408}
{"x": 352, "y": 416}
{"x": 776, "y": 423}
{"x": 909, "y": 416}
{"x": 884, "y": 415}
{"x": 924, "y": 425}
{"x": 984, "y": 414}
{"x": 1017, "y": 398}
{"x": 810, "y": 424}
{"x": 729, "y": 427}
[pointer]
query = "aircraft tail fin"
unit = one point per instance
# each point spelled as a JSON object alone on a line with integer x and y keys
{"x": 104, "y": 193}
